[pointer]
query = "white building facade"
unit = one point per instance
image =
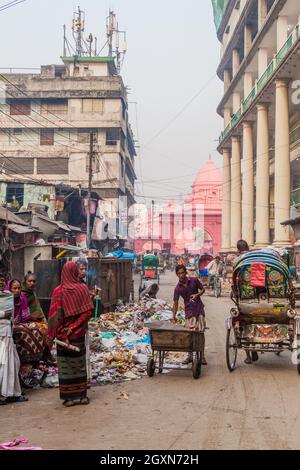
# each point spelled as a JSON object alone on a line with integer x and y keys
{"x": 260, "y": 143}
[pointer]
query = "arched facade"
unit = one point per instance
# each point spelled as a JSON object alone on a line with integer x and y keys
{"x": 194, "y": 224}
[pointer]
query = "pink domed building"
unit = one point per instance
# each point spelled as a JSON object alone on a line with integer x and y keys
{"x": 193, "y": 225}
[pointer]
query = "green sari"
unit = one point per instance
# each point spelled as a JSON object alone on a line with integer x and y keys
{"x": 36, "y": 311}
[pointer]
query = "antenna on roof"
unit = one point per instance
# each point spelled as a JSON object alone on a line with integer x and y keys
{"x": 116, "y": 39}
{"x": 83, "y": 47}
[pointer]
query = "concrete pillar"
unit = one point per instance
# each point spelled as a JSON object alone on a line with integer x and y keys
{"x": 282, "y": 31}
{"x": 248, "y": 185}
{"x": 236, "y": 98}
{"x": 248, "y": 84}
{"x": 262, "y": 61}
{"x": 235, "y": 62}
{"x": 247, "y": 39}
{"x": 226, "y": 204}
{"x": 262, "y": 12}
{"x": 226, "y": 80}
{"x": 236, "y": 193}
{"x": 282, "y": 164}
{"x": 227, "y": 116}
{"x": 262, "y": 178}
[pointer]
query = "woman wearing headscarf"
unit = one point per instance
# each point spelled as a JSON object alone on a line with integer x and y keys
{"x": 29, "y": 341}
{"x": 36, "y": 312}
{"x": 10, "y": 389}
{"x": 37, "y": 316}
{"x": 71, "y": 308}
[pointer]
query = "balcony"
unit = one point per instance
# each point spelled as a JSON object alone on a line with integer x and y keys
{"x": 262, "y": 82}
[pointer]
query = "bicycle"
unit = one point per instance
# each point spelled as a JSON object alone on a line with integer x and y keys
{"x": 217, "y": 286}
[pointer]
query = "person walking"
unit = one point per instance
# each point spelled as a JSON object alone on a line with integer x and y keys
{"x": 191, "y": 290}
{"x": 70, "y": 310}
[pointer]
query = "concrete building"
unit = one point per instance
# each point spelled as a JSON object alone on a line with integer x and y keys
{"x": 46, "y": 120}
{"x": 260, "y": 142}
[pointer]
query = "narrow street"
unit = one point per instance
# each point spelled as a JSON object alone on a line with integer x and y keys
{"x": 256, "y": 407}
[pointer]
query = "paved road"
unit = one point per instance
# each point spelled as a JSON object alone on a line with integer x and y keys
{"x": 256, "y": 407}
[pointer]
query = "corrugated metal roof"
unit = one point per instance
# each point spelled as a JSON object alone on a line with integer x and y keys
{"x": 6, "y": 214}
{"x": 21, "y": 229}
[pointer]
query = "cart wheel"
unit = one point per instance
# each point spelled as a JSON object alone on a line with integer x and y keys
{"x": 231, "y": 350}
{"x": 150, "y": 367}
{"x": 298, "y": 354}
{"x": 197, "y": 363}
{"x": 161, "y": 362}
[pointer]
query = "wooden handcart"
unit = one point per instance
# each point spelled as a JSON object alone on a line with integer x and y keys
{"x": 168, "y": 337}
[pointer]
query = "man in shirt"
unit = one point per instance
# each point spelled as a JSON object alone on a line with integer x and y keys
{"x": 215, "y": 268}
{"x": 243, "y": 248}
{"x": 191, "y": 290}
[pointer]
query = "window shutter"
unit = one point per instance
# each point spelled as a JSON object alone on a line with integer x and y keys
{"x": 52, "y": 166}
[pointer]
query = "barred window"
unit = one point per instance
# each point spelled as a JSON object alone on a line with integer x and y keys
{"x": 112, "y": 136}
{"x": 20, "y": 108}
{"x": 47, "y": 137}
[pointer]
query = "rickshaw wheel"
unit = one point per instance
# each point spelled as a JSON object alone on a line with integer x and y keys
{"x": 298, "y": 354}
{"x": 231, "y": 350}
{"x": 150, "y": 367}
{"x": 197, "y": 363}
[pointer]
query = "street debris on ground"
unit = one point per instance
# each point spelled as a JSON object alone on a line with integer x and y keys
{"x": 119, "y": 344}
{"x": 120, "y": 341}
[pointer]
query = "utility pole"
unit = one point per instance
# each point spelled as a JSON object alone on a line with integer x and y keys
{"x": 88, "y": 215}
{"x": 152, "y": 220}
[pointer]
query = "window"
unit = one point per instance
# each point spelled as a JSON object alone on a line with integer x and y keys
{"x": 54, "y": 107}
{"x": 123, "y": 140}
{"x": 93, "y": 105}
{"x": 47, "y": 137}
{"x": 122, "y": 166}
{"x": 20, "y": 108}
{"x": 112, "y": 136}
{"x": 52, "y": 166}
{"x": 15, "y": 192}
{"x": 17, "y": 165}
{"x": 84, "y": 136}
{"x": 17, "y": 131}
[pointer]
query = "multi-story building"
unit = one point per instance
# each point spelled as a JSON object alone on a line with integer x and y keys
{"x": 260, "y": 142}
{"x": 46, "y": 121}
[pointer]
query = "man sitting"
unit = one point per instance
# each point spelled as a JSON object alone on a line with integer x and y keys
{"x": 215, "y": 268}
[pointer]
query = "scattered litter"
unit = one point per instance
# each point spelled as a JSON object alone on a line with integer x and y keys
{"x": 123, "y": 395}
{"x": 12, "y": 445}
{"x": 120, "y": 342}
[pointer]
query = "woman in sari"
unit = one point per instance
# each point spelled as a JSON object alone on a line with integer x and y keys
{"x": 29, "y": 341}
{"x": 10, "y": 389}
{"x": 71, "y": 308}
{"x": 37, "y": 315}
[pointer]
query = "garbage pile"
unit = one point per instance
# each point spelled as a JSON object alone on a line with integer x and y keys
{"x": 120, "y": 342}
{"x": 119, "y": 345}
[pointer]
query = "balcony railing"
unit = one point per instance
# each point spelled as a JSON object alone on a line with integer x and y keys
{"x": 263, "y": 80}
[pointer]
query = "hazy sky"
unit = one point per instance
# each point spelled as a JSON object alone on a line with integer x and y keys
{"x": 170, "y": 69}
